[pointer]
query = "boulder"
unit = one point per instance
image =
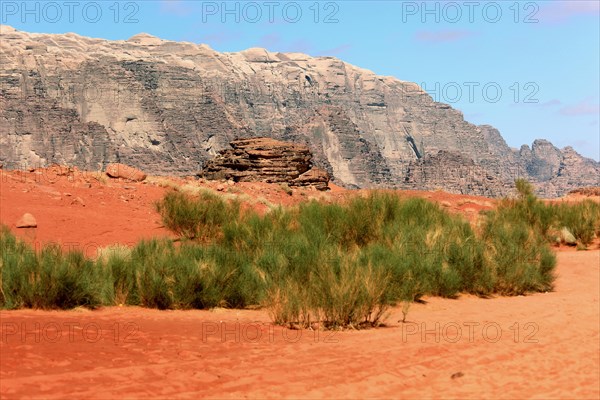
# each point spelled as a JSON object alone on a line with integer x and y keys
{"x": 27, "y": 221}
{"x": 567, "y": 237}
{"x": 123, "y": 171}
{"x": 78, "y": 201}
{"x": 314, "y": 177}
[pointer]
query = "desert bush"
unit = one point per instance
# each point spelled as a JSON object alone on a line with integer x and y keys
{"x": 120, "y": 277}
{"x": 517, "y": 248}
{"x": 352, "y": 261}
{"x": 200, "y": 217}
{"x": 519, "y": 257}
{"x": 348, "y": 293}
{"x": 289, "y": 304}
{"x": 528, "y": 208}
{"x": 159, "y": 275}
{"x": 228, "y": 279}
{"x": 117, "y": 250}
{"x": 334, "y": 290}
{"x": 581, "y": 219}
{"x": 154, "y": 262}
{"x": 49, "y": 279}
{"x": 516, "y": 237}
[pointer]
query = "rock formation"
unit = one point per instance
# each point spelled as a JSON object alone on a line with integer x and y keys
{"x": 266, "y": 160}
{"x": 166, "y": 107}
{"x": 125, "y": 172}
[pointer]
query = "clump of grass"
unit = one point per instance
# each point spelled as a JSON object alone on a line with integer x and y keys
{"x": 519, "y": 257}
{"x": 517, "y": 249}
{"x": 156, "y": 274}
{"x": 119, "y": 271}
{"x": 336, "y": 292}
{"x": 199, "y": 217}
{"x": 48, "y": 279}
{"x": 581, "y": 219}
{"x": 351, "y": 294}
{"x": 115, "y": 250}
{"x": 344, "y": 265}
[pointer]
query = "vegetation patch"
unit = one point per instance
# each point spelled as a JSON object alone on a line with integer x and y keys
{"x": 314, "y": 265}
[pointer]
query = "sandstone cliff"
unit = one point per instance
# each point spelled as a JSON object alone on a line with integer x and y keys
{"x": 167, "y": 107}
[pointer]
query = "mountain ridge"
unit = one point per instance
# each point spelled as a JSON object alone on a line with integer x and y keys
{"x": 167, "y": 107}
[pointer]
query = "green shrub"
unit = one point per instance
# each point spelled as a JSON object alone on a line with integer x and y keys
{"x": 49, "y": 279}
{"x": 581, "y": 219}
{"x": 228, "y": 279}
{"x": 349, "y": 293}
{"x": 199, "y": 217}
{"x": 353, "y": 261}
{"x": 158, "y": 275}
{"x": 517, "y": 248}
{"x": 121, "y": 275}
{"x": 336, "y": 292}
{"x": 519, "y": 257}
{"x": 528, "y": 208}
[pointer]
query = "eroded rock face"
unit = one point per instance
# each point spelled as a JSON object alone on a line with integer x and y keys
{"x": 266, "y": 160}
{"x": 167, "y": 107}
{"x": 455, "y": 173}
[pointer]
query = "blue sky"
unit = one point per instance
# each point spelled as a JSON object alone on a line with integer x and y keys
{"x": 529, "y": 68}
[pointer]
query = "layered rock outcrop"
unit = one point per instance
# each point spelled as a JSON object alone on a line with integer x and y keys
{"x": 266, "y": 160}
{"x": 166, "y": 107}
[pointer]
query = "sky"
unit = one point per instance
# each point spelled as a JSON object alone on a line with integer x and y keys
{"x": 529, "y": 68}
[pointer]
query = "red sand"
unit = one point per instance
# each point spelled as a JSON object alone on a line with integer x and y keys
{"x": 141, "y": 353}
{"x": 540, "y": 346}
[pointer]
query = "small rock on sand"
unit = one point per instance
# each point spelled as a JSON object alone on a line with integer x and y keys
{"x": 457, "y": 375}
{"x": 79, "y": 201}
{"x": 27, "y": 221}
{"x": 567, "y": 237}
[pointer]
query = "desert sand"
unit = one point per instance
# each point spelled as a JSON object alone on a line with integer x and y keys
{"x": 541, "y": 346}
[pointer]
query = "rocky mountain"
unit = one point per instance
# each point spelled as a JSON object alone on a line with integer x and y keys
{"x": 168, "y": 107}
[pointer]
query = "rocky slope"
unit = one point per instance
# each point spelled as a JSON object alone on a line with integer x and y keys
{"x": 167, "y": 107}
